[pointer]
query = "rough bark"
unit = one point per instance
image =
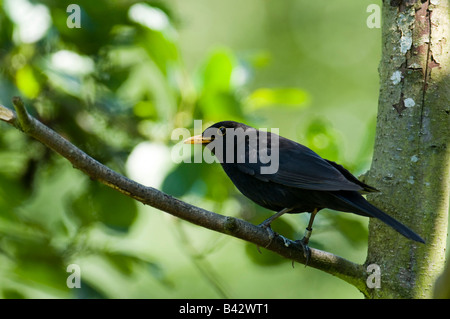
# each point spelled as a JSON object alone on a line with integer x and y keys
{"x": 411, "y": 162}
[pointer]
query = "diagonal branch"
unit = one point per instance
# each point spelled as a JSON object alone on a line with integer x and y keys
{"x": 352, "y": 273}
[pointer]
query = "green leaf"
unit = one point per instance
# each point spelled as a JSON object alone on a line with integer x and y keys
{"x": 123, "y": 263}
{"x": 353, "y": 230}
{"x": 216, "y": 76}
{"x": 287, "y": 97}
{"x": 181, "y": 179}
{"x": 115, "y": 209}
{"x": 12, "y": 193}
{"x": 27, "y": 83}
{"x": 218, "y": 99}
{"x": 323, "y": 139}
{"x": 101, "y": 203}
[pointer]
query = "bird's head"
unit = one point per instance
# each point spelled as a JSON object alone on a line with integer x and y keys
{"x": 217, "y": 131}
{"x": 224, "y": 136}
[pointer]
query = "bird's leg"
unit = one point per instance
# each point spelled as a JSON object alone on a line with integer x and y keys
{"x": 266, "y": 224}
{"x": 305, "y": 240}
{"x": 308, "y": 231}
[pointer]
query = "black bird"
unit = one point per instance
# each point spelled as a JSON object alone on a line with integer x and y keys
{"x": 287, "y": 177}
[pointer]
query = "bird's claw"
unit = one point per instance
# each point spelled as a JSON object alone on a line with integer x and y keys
{"x": 272, "y": 234}
{"x": 306, "y": 250}
{"x": 302, "y": 242}
{"x": 287, "y": 241}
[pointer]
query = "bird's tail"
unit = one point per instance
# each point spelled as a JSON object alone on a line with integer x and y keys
{"x": 363, "y": 207}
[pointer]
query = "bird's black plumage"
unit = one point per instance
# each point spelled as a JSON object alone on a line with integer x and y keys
{"x": 302, "y": 182}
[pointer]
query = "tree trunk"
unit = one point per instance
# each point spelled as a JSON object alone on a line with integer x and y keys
{"x": 411, "y": 162}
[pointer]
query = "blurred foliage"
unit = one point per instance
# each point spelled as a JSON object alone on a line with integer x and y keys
{"x": 127, "y": 77}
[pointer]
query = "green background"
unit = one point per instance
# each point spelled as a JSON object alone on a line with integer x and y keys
{"x": 118, "y": 87}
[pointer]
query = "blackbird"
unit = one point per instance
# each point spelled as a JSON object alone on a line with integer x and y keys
{"x": 287, "y": 177}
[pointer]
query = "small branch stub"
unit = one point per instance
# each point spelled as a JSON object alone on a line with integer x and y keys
{"x": 22, "y": 114}
{"x": 6, "y": 114}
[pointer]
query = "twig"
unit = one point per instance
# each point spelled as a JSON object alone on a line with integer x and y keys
{"x": 350, "y": 272}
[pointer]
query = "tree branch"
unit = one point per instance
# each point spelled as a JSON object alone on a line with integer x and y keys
{"x": 352, "y": 273}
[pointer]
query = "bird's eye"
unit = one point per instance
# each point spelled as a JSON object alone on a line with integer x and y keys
{"x": 221, "y": 130}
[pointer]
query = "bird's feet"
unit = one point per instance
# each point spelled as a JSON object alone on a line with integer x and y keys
{"x": 304, "y": 243}
{"x": 266, "y": 225}
{"x": 306, "y": 250}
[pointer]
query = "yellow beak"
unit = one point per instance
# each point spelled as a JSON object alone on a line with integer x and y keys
{"x": 198, "y": 139}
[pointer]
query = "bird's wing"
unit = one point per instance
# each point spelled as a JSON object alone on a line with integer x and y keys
{"x": 300, "y": 167}
{"x": 350, "y": 177}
